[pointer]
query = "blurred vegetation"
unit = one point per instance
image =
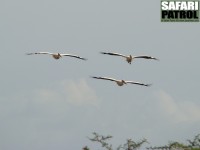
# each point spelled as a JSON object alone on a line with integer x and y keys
{"x": 193, "y": 144}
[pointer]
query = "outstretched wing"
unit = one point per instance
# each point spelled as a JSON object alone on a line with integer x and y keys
{"x": 114, "y": 54}
{"x": 39, "y": 53}
{"x": 146, "y": 57}
{"x": 104, "y": 78}
{"x": 138, "y": 83}
{"x": 75, "y": 56}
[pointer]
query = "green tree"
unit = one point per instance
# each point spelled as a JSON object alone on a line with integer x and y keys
{"x": 193, "y": 145}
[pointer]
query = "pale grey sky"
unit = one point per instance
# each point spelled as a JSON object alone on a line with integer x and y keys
{"x": 54, "y": 104}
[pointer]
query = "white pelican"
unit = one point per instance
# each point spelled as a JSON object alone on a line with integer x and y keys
{"x": 57, "y": 55}
{"x": 129, "y": 58}
{"x": 121, "y": 82}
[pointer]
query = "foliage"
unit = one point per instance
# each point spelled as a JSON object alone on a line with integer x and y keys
{"x": 102, "y": 140}
{"x": 129, "y": 145}
{"x": 86, "y": 148}
{"x": 132, "y": 145}
{"x": 171, "y": 146}
{"x": 193, "y": 145}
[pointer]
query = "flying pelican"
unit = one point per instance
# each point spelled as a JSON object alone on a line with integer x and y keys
{"x": 129, "y": 58}
{"x": 120, "y": 82}
{"x": 58, "y": 55}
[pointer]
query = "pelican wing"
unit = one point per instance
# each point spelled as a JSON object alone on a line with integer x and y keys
{"x": 114, "y": 54}
{"x": 75, "y": 56}
{"x": 104, "y": 78}
{"x": 138, "y": 83}
{"x": 39, "y": 53}
{"x": 146, "y": 57}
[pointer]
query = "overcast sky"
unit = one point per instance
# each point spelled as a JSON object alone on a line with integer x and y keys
{"x": 54, "y": 104}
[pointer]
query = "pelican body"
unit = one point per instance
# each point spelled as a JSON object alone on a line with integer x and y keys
{"x": 129, "y": 58}
{"x": 58, "y": 55}
{"x": 120, "y": 82}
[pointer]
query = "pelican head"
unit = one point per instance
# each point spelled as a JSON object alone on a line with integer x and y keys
{"x": 59, "y": 55}
{"x": 124, "y": 82}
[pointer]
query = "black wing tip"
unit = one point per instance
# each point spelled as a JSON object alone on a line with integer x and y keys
{"x": 94, "y": 77}
{"x": 83, "y": 58}
{"x": 103, "y": 52}
{"x": 147, "y": 57}
{"x": 28, "y": 53}
{"x": 154, "y": 58}
{"x": 148, "y": 85}
{"x": 32, "y": 53}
